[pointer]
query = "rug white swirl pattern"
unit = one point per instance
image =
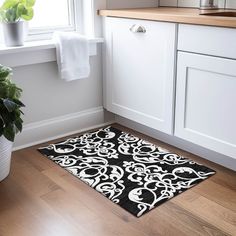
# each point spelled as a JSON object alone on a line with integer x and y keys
{"x": 131, "y": 172}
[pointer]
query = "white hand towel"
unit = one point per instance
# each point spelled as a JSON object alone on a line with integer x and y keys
{"x": 72, "y": 55}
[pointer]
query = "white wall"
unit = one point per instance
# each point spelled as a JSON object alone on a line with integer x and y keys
{"x": 47, "y": 96}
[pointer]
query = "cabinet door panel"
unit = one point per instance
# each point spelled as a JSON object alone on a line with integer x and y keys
{"x": 206, "y": 102}
{"x": 140, "y": 72}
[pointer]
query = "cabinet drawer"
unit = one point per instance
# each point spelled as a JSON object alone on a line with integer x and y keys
{"x": 207, "y": 40}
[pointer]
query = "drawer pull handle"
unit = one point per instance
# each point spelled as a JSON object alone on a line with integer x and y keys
{"x": 138, "y": 29}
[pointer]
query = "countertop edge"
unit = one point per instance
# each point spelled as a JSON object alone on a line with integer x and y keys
{"x": 188, "y": 18}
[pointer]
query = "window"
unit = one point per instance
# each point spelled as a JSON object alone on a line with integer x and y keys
{"x": 50, "y": 14}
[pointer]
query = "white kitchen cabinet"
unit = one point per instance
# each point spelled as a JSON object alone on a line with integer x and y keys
{"x": 140, "y": 67}
{"x": 206, "y": 102}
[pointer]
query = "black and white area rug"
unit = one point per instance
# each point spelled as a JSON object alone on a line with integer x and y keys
{"x": 131, "y": 172}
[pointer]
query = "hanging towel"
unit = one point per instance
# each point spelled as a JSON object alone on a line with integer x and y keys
{"x": 72, "y": 55}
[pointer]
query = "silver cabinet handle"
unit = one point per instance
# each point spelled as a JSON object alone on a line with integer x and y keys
{"x": 138, "y": 29}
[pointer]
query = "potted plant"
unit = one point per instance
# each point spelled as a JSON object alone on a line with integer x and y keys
{"x": 10, "y": 118}
{"x": 13, "y": 13}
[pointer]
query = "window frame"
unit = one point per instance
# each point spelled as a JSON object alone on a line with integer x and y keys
{"x": 75, "y": 8}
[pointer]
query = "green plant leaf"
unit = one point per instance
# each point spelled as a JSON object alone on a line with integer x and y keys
{"x": 28, "y": 15}
{"x": 30, "y": 3}
{"x": 2, "y": 15}
{"x": 10, "y": 113}
{"x": 11, "y": 15}
{"x": 9, "y": 132}
{"x": 20, "y": 10}
{"x": 1, "y": 118}
{"x": 7, "y": 117}
{"x": 18, "y": 124}
{"x": 9, "y": 4}
{"x": 19, "y": 103}
{"x": 11, "y": 91}
{"x": 10, "y": 105}
{"x": 17, "y": 93}
{"x": 1, "y": 127}
{"x": 5, "y": 71}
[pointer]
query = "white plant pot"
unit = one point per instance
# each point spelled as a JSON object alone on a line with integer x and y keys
{"x": 5, "y": 157}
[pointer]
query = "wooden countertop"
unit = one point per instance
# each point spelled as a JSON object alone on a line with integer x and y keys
{"x": 169, "y": 14}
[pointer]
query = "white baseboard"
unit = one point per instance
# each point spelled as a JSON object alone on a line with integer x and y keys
{"x": 44, "y": 131}
{"x": 218, "y": 158}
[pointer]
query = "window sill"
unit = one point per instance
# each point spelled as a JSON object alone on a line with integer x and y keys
{"x": 36, "y": 52}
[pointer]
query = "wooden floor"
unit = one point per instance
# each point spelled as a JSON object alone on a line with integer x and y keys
{"x": 41, "y": 199}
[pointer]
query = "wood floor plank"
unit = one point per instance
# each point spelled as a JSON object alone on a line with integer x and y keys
{"x": 23, "y": 171}
{"x": 34, "y": 158}
{"x": 191, "y": 223}
{"x": 217, "y": 193}
{"x": 25, "y": 215}
{"x": 208, "y": 210}
{"x": 41, "y": 199}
